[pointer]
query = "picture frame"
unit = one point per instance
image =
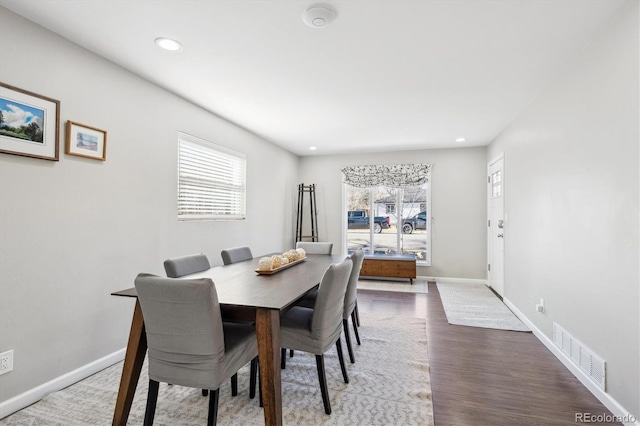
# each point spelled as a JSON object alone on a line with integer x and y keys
{"x": 86, "y": 141}
{"x": 29, "y": 123}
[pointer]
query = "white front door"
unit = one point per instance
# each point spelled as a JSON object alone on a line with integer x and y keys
{"x": 495, "y": 224}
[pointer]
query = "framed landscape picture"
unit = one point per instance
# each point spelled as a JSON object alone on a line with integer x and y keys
{"x": 86, "y": 141}
{"x": 29, "y": 123}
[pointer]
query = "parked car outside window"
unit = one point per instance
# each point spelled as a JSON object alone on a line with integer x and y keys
{"x": 417, "y": 221}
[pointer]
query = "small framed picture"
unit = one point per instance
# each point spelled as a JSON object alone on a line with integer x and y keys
{"x": 29, "y": 123}
{"x": 86, "y": 141}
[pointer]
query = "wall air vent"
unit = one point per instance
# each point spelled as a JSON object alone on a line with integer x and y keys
{"x": 593, "y": 366}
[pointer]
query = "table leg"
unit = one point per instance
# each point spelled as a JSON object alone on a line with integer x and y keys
{"x": 136, "y": 350}
{"x": 268, "y": 332}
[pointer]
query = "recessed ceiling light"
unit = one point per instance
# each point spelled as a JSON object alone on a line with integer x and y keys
{"x": 318, "y": 16}
{"x": 460, "y": 140}
{"x": 168, "y": 44}
{"x": 313, "y": 148}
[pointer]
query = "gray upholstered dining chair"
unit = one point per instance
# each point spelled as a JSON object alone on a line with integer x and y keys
{"x": 180, "y": 266}
{"x": 350, "y": 301}
{"x": 312, "y": 247}
{"x": 190, "y": 264}
{"x": 189, "y": 344}
{"x": 236, "y": 254}
{"x": 316, "y": 330}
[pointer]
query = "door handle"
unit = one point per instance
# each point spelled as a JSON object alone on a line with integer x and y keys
{"x": 500, "y": 235}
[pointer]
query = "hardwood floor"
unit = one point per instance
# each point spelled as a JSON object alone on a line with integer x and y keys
{"x": 485, "y": 376}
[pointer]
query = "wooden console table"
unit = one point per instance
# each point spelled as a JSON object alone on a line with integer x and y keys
{"x": 389, "y": 265}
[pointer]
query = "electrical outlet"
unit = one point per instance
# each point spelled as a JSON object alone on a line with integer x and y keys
{"x": 540, "y": 306}
{"x": 6, "y": 362}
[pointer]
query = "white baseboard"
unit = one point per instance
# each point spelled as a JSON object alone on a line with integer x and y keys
{"x": 456, "y": 280}
{"x": 27, "y": 398}
{"x": 429, "y": 279}
{"x": 33, "y": 395}
{"x": 606, "y": 399}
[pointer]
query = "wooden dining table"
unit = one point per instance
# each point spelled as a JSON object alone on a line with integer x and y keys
{"x": 245, "y": 295}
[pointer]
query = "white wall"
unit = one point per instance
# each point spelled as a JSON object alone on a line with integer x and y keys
{"x": 76, "y": 230}
{"x": 458, "y": 198}
{"x": 572, "y": 199}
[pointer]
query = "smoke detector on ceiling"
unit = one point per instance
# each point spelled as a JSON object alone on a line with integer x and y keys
{"x": 319, "y": 16}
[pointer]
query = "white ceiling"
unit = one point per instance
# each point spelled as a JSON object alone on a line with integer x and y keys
{"x": 385, "y": 75}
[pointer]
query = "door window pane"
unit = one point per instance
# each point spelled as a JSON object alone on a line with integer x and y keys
{"x": 496, "y": 184}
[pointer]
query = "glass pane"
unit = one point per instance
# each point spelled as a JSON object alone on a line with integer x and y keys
{"x": 414, "y": 222}
{"x": 385, "y": 240}
{"x": 358, "y": 219}
{"x": 497, "y": 190}
{"x": 496, "y": 184}
{"x": 400, "y": 230}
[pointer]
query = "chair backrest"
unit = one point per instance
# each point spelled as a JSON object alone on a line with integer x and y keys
{"x": 311, "y": 247}
{"x": 185, "y": 265}
{"x": 184, "y": 330}
{"x": 236, "y": 254}
{"x": 326, "y": 323}
{"x": 350, "y": 296}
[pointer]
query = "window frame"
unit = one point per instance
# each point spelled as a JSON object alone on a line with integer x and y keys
{"x": 399, "y": 207}
{"x": 211, "y": 181}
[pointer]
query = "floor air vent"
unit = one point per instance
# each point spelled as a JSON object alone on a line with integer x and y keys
{"x": 580, "y": 355}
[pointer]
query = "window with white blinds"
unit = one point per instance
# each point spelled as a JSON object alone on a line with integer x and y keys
{"x": 211, "y": 181}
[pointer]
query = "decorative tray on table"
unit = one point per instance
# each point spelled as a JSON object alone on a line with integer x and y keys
{"x": 280, "y": 268}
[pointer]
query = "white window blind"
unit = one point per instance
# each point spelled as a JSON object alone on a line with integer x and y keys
{"x": 211, "y": 181}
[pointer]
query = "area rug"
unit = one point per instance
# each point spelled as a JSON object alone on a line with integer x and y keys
{"x": 388, "y": 385}
{"x": 475, "y": 305}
